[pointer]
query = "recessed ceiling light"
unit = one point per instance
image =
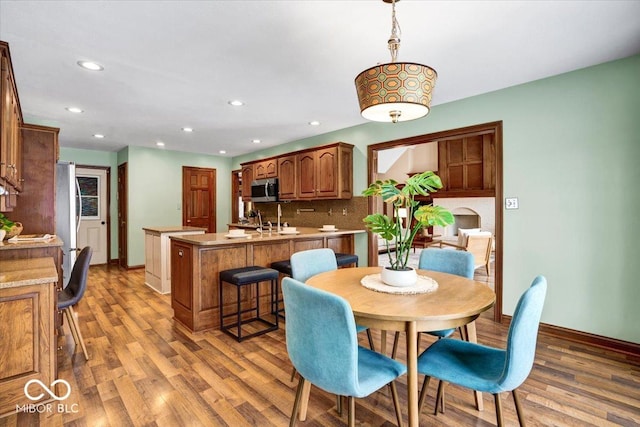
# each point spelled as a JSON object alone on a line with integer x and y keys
{"x": 314, "y": 123}
{"x": 236, "y": 103}
{"x": 256, "y": 141}
{"x": 187, "y": 129}
{"x": 74, "y": 109}
{"x": 90, "y": 65}
{"x": 160, "y": 144}
{"x": 222, "y": 152}
{"x": 98, "y": 135}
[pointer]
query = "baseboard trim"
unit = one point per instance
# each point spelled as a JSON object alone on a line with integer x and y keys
{"x": 135, "y": 267}
{"x": 612, "y": 344}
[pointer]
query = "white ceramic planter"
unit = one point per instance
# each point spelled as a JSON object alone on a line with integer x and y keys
{"x": 2, "y": 234}
{"x": 399, "y": 278}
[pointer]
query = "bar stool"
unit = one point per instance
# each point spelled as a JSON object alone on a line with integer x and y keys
{"x": 239, "y": 277}
{"x": 283, "y": 267}
{"x": 346, "y": 259}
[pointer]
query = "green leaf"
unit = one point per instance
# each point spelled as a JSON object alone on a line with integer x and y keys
{"x": 403, "y": 196}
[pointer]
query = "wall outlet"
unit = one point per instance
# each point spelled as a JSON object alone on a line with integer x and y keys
{"x": 511, "y": 203}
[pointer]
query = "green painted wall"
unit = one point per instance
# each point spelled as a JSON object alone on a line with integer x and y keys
{"x": 571, "y": 148}
{"x": 155, "y": 192}
{"x": 570, "y": 151}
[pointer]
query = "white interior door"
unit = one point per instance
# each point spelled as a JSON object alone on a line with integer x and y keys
{"x": 93, "y": 224}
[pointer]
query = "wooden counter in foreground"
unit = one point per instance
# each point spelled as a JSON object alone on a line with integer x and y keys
{"x": 27, "y": 335}
{"x": 197, "y": 260}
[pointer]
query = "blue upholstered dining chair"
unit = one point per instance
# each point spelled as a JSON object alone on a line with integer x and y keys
{"x": 305, "y": 264}
{"x": 323, "y": 346}
{"x": 459, "y": 263}
{"x": 488, "y": 369}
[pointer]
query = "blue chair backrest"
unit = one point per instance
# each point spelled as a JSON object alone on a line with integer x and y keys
{"x": 523, "y": 334}
{"x": 305, "y": 264}
{"x": 321, "y": 337}
{"x": 78, "y": 280}
{"x": 459, "y": 263}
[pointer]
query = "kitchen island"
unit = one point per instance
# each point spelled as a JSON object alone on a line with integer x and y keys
{"x": 197, "y": 260}
{"x": 157, "y": 251}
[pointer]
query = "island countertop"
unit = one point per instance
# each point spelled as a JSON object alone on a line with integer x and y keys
{"x": 173, "y": 229}
{"x": 24, "y": 272}
{"x": 220, "y": 239}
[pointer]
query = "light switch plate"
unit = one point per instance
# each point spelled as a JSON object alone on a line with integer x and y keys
{"x": 511, "y": 203}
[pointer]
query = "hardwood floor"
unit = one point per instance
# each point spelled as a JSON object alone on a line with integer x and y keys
{"x": 146, "y": 371}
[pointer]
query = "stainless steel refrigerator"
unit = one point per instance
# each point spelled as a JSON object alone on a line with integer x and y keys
{"x": 68, "y": 214}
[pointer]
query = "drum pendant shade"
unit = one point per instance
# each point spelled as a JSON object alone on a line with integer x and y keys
{"x": 397, "y": 91}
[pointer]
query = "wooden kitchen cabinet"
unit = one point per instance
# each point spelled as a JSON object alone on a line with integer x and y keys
{"x": 10, "y": 137}
{"x": 37, "y": 200}
{"x": 314, "y": 174}
{"x": 247, "y": 178}
{"x": 466, "y": 166}
{"x": 287, "y": 177}
{"x": 326, "y": 172}
{"x": 265, "y": 169}
{"x": 27, "y": 333}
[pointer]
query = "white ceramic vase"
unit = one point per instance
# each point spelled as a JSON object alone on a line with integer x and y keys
{"x": 399, "y": 278}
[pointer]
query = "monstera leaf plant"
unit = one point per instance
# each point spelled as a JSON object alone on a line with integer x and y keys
{"x": 402, "y": 196}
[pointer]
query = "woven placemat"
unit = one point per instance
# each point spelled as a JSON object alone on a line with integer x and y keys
{"x": 423, "y": 285}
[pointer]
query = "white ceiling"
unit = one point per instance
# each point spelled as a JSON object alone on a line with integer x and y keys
{"x": 173, "y": 64}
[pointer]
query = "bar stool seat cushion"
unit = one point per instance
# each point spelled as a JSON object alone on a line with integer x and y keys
{"x": 283, "y": 267}
{"x": 246, "y": 275}
{"x": 346, "y": 259}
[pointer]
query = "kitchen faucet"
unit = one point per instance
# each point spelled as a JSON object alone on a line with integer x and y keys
{"x": 279, "y": 216}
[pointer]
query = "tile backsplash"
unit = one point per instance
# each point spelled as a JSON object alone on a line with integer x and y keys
{"x": 344, "y": 214}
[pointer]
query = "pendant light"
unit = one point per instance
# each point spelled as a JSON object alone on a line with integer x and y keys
{"x": 396, "y": 91}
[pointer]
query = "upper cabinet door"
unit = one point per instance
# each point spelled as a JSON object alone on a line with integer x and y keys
{"x": 326, "y": 165}
{"x": 247, "y": 178}
{"x": 11, "y": 120}
{"x": 287, "y": 177}
{"x": 266, "y": 169}
{"x": 306, "y": 175}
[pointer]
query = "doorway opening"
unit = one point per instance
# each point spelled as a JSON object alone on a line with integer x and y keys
{"x": 424, "y": 152}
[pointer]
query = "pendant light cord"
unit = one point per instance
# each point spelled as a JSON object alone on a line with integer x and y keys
{"x": 394, "y": 39}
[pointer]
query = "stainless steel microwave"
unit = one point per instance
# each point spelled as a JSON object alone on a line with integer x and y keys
{"x": 264, "y": 190}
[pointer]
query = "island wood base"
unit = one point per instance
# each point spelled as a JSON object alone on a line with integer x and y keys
{"x": 196, "y": 266}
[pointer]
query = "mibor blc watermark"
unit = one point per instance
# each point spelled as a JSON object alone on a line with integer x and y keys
{"x": 47, "y": 407}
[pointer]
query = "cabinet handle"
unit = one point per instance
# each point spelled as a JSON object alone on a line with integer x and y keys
{"x": 180, "y": 253}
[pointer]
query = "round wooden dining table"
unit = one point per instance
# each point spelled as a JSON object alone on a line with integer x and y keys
{"x": 456, "y": 302}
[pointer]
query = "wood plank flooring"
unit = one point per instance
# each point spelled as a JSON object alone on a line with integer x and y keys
{"x": 147, "y": 371}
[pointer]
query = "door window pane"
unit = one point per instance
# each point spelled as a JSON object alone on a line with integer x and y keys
{"x": 90, "y": 195}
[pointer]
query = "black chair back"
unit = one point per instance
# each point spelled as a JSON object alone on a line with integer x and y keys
{"x": 78, "y": 280}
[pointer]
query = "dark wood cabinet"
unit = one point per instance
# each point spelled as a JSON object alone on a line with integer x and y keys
{"x": 265, "y": 169}
{"x": 314, "y": 174}
{"x": 247, "y": 178}
{"x": 35, "y": 208}
{"x": 466, "y": 166}
{"x": 326, "y": 172}
{"x": 27, "y": 332}
{"x": 306, "y": 182}
{"x": 287, "y": 177}
{"x": 10, "y": 137}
